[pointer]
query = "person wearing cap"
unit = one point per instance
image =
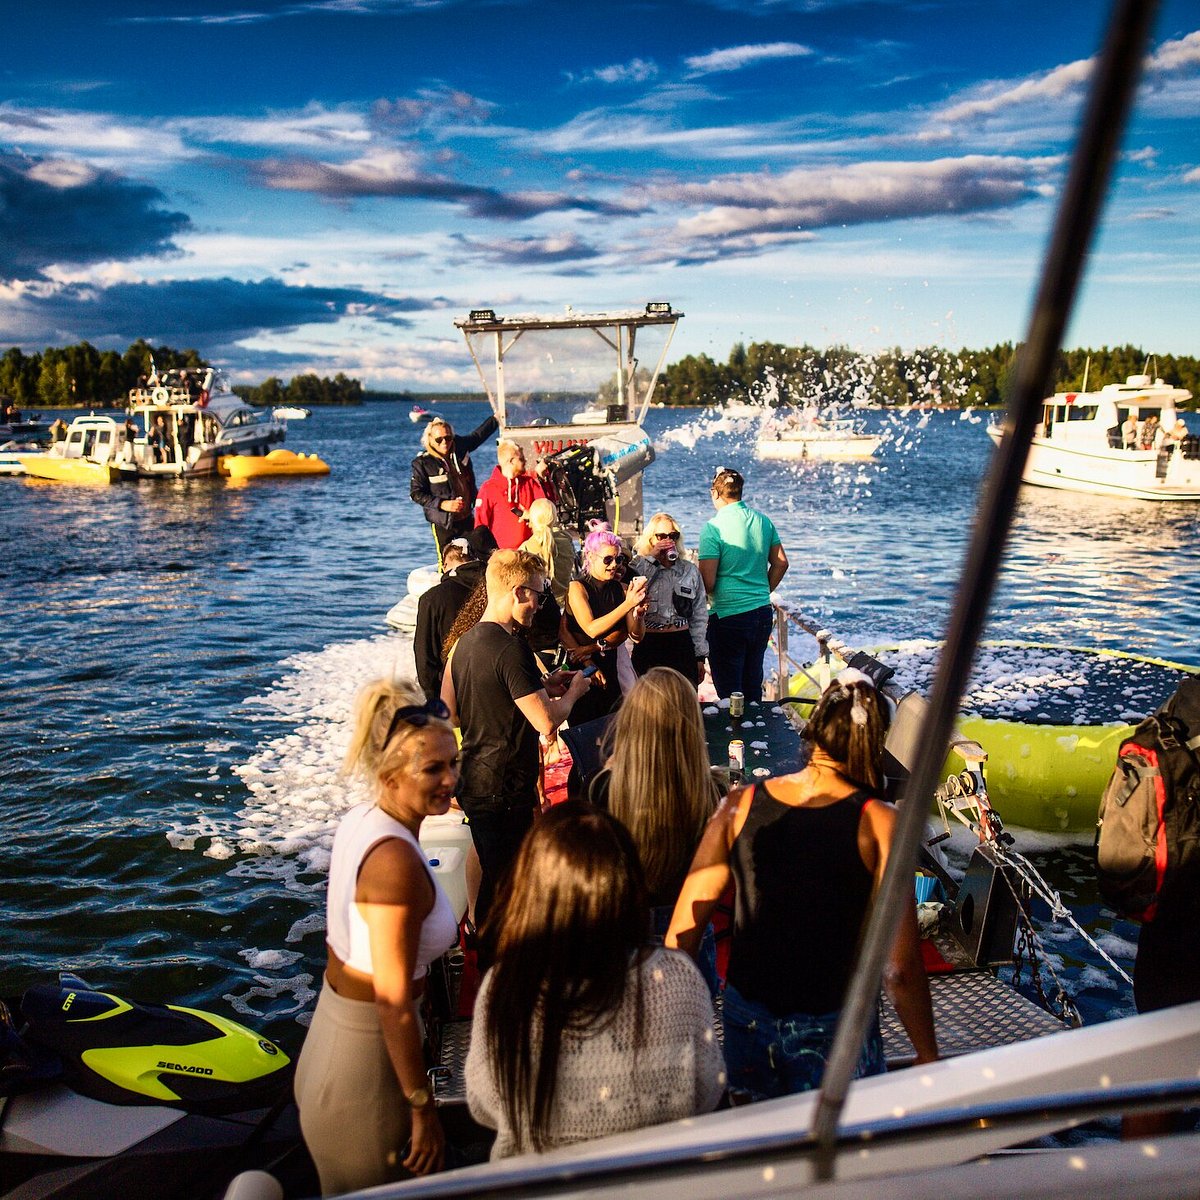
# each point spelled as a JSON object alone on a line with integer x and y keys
{"x": 443, "y": 479}
{"x": 741, "y": 563}
{"x": 462, "y": 572}
{"x": 505, "y": 498}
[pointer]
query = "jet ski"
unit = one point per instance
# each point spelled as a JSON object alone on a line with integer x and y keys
{"x": 102, "y": 1096}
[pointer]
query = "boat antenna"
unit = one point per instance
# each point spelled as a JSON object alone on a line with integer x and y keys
{"x": 1087, "y": 366}
{"x": 1114, "y": 82}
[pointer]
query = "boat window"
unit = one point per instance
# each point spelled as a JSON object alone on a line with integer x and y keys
{"x": 75, "y": 437}
{"x": 103, "y": 437}
{"x": 1082, "y": 412}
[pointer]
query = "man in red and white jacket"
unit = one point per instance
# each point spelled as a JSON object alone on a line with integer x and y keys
{"x": 505, "y": 498}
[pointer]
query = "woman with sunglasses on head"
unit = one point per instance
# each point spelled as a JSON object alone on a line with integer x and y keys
{"x": 676, "y": 613}
{"x": 581, "y": 1027}
{"x": 601, "y": 613}
{"x": 360, "y": 1083}
{"x": 443, "y": 479}
{"x": 807, "y": 853}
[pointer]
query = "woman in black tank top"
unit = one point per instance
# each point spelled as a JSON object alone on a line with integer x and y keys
{"x": 806, "y": 852}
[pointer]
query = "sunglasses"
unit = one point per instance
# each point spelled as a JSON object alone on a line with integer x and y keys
{"x": 673, "y": 534}
{"x": 609, "y": 559}
{"x": 542, "y": 596}
{"x": 445, "y": 438}
{"x": 416, "y": 715}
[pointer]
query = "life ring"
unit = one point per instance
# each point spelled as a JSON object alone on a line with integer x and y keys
{"x": 160, "y": 395}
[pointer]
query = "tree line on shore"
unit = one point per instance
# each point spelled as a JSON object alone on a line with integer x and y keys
{"x": 767, "y": 372}
{"x": 81, "y": 376}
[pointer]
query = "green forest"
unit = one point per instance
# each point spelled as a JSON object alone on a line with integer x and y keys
{"x": 775, "y": 374}
{"x": 83, "y": 377}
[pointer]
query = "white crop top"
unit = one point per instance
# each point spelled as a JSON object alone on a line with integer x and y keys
{"x": 363, "y": 827}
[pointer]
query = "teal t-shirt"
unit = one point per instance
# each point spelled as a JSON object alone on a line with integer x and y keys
{"x": 739, "y": 538}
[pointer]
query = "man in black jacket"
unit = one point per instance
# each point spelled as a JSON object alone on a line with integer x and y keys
{"x": 443, "y": 479}
{"x": 437, "y": 608}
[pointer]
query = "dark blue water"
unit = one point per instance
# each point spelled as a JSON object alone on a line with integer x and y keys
{"x": 179, "y": 660}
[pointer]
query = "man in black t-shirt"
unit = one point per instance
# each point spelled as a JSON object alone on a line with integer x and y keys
{"x": 502, "y": 703}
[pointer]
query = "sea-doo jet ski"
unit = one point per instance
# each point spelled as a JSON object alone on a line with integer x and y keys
{"x": 101, "y": 1096}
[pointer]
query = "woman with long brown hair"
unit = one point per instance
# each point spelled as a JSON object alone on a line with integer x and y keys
{"x": 658, "y": 783}
{"x": 581, "y": 1027}
{"x": 807, "y": 853}
{"x": 360, "y": 1083}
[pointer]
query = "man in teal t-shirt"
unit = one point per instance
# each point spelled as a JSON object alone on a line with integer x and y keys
{"x": 741, "y": 563}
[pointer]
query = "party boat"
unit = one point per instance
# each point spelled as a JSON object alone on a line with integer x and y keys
{"x": 1079, "y": 444}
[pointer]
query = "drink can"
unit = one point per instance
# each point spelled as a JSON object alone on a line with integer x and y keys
{"x": 737, "y": 755}
{"x": 737, "y": 704}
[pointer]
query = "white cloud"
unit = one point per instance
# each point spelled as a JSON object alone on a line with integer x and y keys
{"x": 734, "y": 58}
{"x": 100, "y": 137}
{"x": 637, "y": 70}
{"x": 313, "y": 126}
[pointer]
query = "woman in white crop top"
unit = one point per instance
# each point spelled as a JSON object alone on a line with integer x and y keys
{"x": 360, "y": 1082}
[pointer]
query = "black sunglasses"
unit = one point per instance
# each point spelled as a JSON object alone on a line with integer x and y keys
{"x": 447, "y": 438}
{"x": 542, "y": 596}
{"x": 416, "y": 715}
{"x": 673, "y": 534}
{"x": 609, "y": 559}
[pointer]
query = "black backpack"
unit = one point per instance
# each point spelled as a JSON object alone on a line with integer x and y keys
{"x": 1149, "y": 825}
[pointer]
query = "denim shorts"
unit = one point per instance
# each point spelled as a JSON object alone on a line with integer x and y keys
{"x": 768, "y": 1056}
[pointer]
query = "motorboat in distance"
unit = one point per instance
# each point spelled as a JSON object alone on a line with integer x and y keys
{"x": 186, "y": 422}
{"x": 291, "y": 412}
{"x": 1127, "y": 439}
{"x": 806, "y": 434}
{"x": 89, "y": 454}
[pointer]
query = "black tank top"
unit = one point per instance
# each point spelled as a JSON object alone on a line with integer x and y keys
{"x": 802, "y": 893}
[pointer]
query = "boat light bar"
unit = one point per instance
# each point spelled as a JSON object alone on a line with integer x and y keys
{"x": 658, "y": 306}
{"x": 483, "y": 314}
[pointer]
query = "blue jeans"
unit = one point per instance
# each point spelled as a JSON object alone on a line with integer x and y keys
{"x": 736, "y": 646}
{"x": 706, "y": 956}
{"x": 768, "y": 1056}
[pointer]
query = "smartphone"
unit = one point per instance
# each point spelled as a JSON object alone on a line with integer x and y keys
{"x": 589, "y": 670}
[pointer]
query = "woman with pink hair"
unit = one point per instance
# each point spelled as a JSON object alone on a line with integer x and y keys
{"x": 601, "y": 614}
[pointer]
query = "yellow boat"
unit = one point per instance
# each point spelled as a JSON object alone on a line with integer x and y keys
{"x": 277, "y": 462}
{"x": 90, "y": 453}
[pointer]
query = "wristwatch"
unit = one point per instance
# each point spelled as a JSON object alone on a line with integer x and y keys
{"x": 421, "y": 1098}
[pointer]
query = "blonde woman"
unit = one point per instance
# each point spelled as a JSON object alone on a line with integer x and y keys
{"x": 553, "y": 545}
{"x": 360, "y": 1082}
{"x": 443, "y": 479}
{"x": 677, "y": 613}
{"x": 658, "y": 783}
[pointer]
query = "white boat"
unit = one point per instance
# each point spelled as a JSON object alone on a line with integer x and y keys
{"x": 291, "y": 412}
{"x": 808, "y": 435}
{"x": 417, "y": 414}
{"x": 597, "y": 454}
{"x": 202, "y": 422}
{"x": 11, "y": 453}
{"x": 1078, "y": 446}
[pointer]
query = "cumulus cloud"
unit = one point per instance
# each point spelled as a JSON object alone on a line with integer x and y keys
{"x": 63, "y": 212}
{"x": 210, "y": 312}
{"x": 398, "y": 174}
{"x": 735, "y": 58}
{"x": 748, "y": 213}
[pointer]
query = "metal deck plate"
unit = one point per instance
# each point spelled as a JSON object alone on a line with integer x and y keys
{"x": 972, "y": 1010}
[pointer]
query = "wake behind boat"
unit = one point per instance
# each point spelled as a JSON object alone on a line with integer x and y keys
{"x": 1127, "y": 439}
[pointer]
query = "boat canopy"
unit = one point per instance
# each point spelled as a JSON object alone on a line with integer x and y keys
{"x": 539, "y": 370}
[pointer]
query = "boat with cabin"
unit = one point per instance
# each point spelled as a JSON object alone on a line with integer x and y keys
{"x": 185, "y": 422}
{"x": 806, "y": 433}
{"x": 570, "y": 389}
{"x": 291, "y": 412}
{"x": 91, "y": 453}
{"x": 1128, "y": 439}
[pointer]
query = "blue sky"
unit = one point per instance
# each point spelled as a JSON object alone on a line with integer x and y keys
{"x": 294, "y": 185}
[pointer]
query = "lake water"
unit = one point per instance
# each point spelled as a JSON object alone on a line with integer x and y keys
{"x": 180, "y": 658}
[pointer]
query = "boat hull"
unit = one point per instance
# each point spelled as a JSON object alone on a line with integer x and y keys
{"x": 1100, "y": 471}
{"x": 68, "y": 470}
{"x": 832, "y": 449}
